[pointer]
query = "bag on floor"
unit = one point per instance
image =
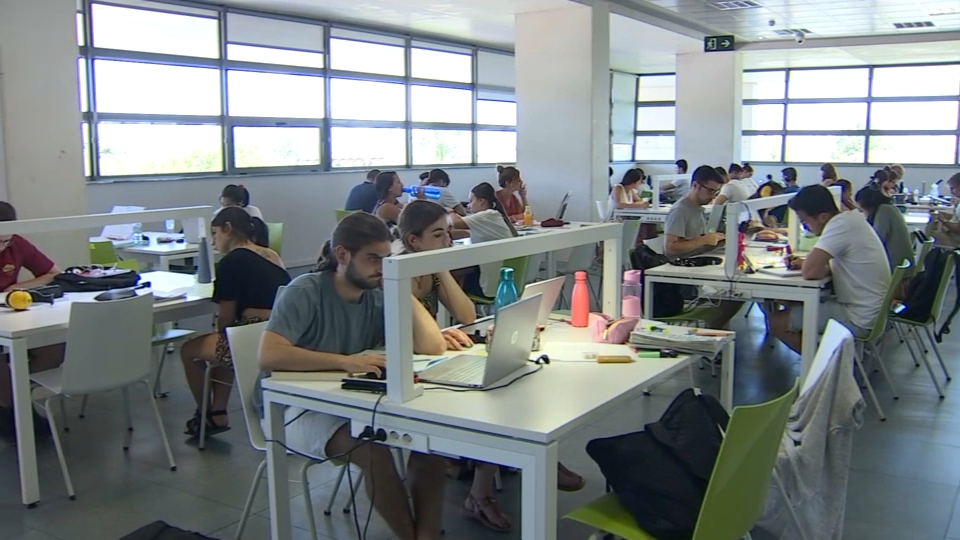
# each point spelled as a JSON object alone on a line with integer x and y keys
{"x": 660, "y": 474}
{"x": 158, "y": 530}
{"x": 94, "y": 279}
{"x": 922, "y": 291}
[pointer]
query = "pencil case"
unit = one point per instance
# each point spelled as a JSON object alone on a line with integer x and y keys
{"x": 605, "y": 330}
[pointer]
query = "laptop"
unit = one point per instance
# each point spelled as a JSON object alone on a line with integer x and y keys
{"x": 716, "y": 215}
{"x": 563, "y": 205}
{"x": 509, "y": 350}
{"x": 550, "y": 289}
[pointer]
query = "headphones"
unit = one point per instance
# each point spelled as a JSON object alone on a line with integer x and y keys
{"x": 22, "y": 299}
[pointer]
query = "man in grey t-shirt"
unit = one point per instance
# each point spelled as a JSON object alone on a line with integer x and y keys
{"x": 685, "y": 229}
{"x": 325, "y": 321}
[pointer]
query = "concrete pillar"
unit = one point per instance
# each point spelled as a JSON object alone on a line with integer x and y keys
{"x": 41, "y": 155}
{"x": 709, "y": 108}
{"x": 563, "y": 107}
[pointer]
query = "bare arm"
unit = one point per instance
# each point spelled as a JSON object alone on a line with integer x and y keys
{"x": 226, "y": 314}
{"x": 276, "y": 352}
{"x": 456, "y": 221}
{"x": 719, "y": 199}
{"x": 427, "y": 337}
{"x": 816, "y": 265}
{"x": 37, "y": 281}
{"x": 459, "y": 210}
{"x": 676, "y": 246}
{"x": 457, "y": 301}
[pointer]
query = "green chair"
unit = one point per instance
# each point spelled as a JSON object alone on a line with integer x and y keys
{"x": 738, "y": 486}
{"x": 868, "y": 344}
{"x": 128, "y": 264}
{"x": 341, "y": 213}
{"x": 103, "y": 253}
{"x": 519, "y": 266}
{"x": 275, "y": 234}
{"x": 925, "y": 248}
{"x": 931, "y": 320}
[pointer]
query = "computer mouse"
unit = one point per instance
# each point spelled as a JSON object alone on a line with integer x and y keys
{"x": 381, "y": 377}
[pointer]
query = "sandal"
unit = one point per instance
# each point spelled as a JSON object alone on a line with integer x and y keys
{"x": 485, "y": 508}
{"x": 193, "y": 425}
{"x": 568, "y": 480}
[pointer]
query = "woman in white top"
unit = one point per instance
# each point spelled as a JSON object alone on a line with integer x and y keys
{"x": 237, "y": 195}
{"x": 624, "y": 194}
{"x": 487, "y": 221}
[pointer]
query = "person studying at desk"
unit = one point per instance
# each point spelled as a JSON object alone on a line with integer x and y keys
{"x": 685, "y": 228}
{"x": 850, "y": 252}
{"x": 486, "y": 222}
{"x": 323, "y": 321}
{"x": 363, "y": 196}
{"x": 625, "y": 195}
{"x": 16, "y": 254}
{"x": 513, "y": 192}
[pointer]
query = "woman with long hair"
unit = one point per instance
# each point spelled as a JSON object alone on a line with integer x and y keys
{"x": 889, "y": 223}
{"x": 487, "y": 221}
{"x": 389, "y": 188}
{"x": 625, "y": 195}
{"x": 248, "y": 277}
{"x": 513, "y": 192}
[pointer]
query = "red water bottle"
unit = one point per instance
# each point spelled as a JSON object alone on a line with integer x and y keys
{"x": 580, "y": 301}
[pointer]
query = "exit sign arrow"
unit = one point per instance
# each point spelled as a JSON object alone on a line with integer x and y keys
{"x": 718, "y": 43}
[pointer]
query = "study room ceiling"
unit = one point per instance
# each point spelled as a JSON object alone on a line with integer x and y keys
{"x": 638, "y": 47}
{"x": 750, "y": 19}
{"x": 940, "y": 51}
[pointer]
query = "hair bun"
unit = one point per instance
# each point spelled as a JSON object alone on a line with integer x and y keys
{"x": 499, "y": 168}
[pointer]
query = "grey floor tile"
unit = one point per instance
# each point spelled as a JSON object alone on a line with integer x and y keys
{"x": 33, "y": 535}
{"x": 860, "y": 530}
{"x": 889, "y": 502}
{"x": 258, "y": 528}
{"x": 889, "y": 452}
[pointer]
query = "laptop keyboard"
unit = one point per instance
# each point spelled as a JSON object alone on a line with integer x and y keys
{"x": 467, "y": 373}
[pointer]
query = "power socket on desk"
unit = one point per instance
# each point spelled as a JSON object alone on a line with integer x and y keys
{"x": 399, "y": 438}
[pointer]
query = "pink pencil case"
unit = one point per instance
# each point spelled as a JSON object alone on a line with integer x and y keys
{"x": 605, "y": 330}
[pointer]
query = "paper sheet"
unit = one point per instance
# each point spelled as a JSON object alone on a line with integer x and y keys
{"x": 560, "y": 351}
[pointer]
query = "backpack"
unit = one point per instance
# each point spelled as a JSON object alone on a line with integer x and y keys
{"x": 660, "y": 474}
{"x": 93, "y": 279}
{"x": 668, "y": 298}
{"x": 159, "y": 530}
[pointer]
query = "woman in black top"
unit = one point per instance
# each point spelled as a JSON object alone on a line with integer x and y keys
{"x": 248, "y": 277}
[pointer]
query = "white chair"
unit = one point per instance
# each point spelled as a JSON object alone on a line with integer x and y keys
{"x": 93, "y": 363}
{"x": 602, "y": 212}
{"x": 244, "y": 344}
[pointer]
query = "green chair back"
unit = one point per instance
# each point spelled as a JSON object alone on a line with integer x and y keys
{"x": 341, "y": 213}
{"x": 275, "y": 234}
{"x": 880, "y": 324}
{"x": 925, "y": 248}
{"x": 519, "y": 266}
{"x": 103, "y": 253}
{"x": 128, "y": 264}
{"x": 741, "y": 477}
{"x": 944, "y": 285}
{"x": 738, "y": 486}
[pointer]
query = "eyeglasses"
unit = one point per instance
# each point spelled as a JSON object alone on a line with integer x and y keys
{"x": 708, "y": 190}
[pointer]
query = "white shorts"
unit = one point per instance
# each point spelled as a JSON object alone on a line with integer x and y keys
{"x": 830, "y": 309}
{"x": 309, "y": 431}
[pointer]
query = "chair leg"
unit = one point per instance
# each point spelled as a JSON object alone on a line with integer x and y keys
{"x": 936, "y": 350}
{"x": 258, "y": 476}
{"x": 926, "y": 362}
{"x": 400, "y": 463}
{"x": 883, "y": 369}
{"x": 749, "y": 309}
{"x": 866, "y": 382}
{"x": 786, "y": 501}
{"x": 336, "y": 489}
{"x": 161, "y": 353}
{"x": 205, "y": 404}
{"x": 356, "y": 487}
{"x": 308, "y": 499}
{"x": 83, "y": 407}
{"x": 163, "y": 432}
{"x": 128, "y": 435}
{"x": 903, "y": 339}
{"x": 63, "y": 415}
{"x": 59, "y": 447}
{"x": 497, "y": 481}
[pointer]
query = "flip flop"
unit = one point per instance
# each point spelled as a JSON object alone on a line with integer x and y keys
{"x": 193, "y": 425}
{"x": 475, "y": 509}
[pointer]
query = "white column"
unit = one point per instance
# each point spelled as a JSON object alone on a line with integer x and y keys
{"x": 563, "y": 107}
{"x": 40, "y": 119}
{"x": 709, "y": 107}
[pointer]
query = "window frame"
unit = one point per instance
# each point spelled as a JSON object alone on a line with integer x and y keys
{"x": 867, "y": 133}
{"x": 651, "y": 133}
{"x": 92, "y": 117}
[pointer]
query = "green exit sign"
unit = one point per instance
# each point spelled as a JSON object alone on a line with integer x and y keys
{"x": 717, "y": 43}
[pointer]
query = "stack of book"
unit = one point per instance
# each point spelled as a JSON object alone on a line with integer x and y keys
{"x": 683, "y": 340}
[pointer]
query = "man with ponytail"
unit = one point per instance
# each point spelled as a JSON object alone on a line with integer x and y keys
{"x": 323, "y": 321}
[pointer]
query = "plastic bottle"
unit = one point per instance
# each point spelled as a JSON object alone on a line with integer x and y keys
{"x": 580, "y": 301}
{"x": 431, "y": 192}
{"x": 527, "y": 217}
{"x": 630, "y": 293}
{"x": 506, "y": 290}
{"x": 137, "y": 233}
{"x": 916, "y": 196}
{"x": 935, "y": 190}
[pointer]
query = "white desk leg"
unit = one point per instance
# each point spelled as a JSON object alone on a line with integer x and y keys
{"x": 647, "y": 298}
{"x": 726, "y": 375}
{"x": 164, "y": 264}
{"x": 538, "y": 507}
{"x": 551, "y": 264}
{"x": 811, "y": 331}
{"x": 23, "y": 409}
{"x": 279, "y": 488}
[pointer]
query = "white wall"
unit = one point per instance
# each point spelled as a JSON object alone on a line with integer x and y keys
{"x": 709, "y": 107}
{"x": 305, "y": 204}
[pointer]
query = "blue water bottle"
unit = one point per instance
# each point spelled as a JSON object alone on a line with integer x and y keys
{"x": 432, "y": 193}
{"x": 506, "y": 290}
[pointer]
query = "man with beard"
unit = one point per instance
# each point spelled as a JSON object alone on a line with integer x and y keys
{"x": 323, "y": 321}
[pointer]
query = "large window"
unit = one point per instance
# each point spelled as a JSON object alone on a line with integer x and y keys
{"x": 194, "y": 89}
{"x": 656, "y": 118}
{"x": 880, "y": 115}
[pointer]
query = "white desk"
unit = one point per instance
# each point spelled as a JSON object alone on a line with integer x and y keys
{"x": 746, "y": 287}
{"x": 650, "y": 215}
{"x": 517, "y": 426}
{"x": 46, "y": 325}
{"x": 152, "y": 253}
{"x": 917, "y": 220}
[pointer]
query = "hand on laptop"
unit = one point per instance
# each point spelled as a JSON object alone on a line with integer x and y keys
{"x": 457, "y": 340}
{"x": 712, "y": 239}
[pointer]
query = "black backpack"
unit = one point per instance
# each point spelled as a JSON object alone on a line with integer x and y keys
{"x": 660, "y": 475}
{"x": 668, "y": 298}
{"x": 158, "y": 530}
{"x": 73, "y": 280}
{"x": 923, "y": 290}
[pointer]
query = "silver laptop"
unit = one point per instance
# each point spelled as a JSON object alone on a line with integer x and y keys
{"x": 509, "y": 350}
{"x": 563, "y": 205}
{"x": 716, "y": 215}
{"x": 550, "y": 289}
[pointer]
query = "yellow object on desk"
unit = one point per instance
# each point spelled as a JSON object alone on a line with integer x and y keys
{"x": 614, "y": 359}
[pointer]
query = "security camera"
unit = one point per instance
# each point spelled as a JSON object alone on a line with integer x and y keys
{"x": 772, "y": 22}
{"x": 799, "y": 38}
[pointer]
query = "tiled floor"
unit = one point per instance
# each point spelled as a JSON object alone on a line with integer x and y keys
{"x": 904, "y": 483}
